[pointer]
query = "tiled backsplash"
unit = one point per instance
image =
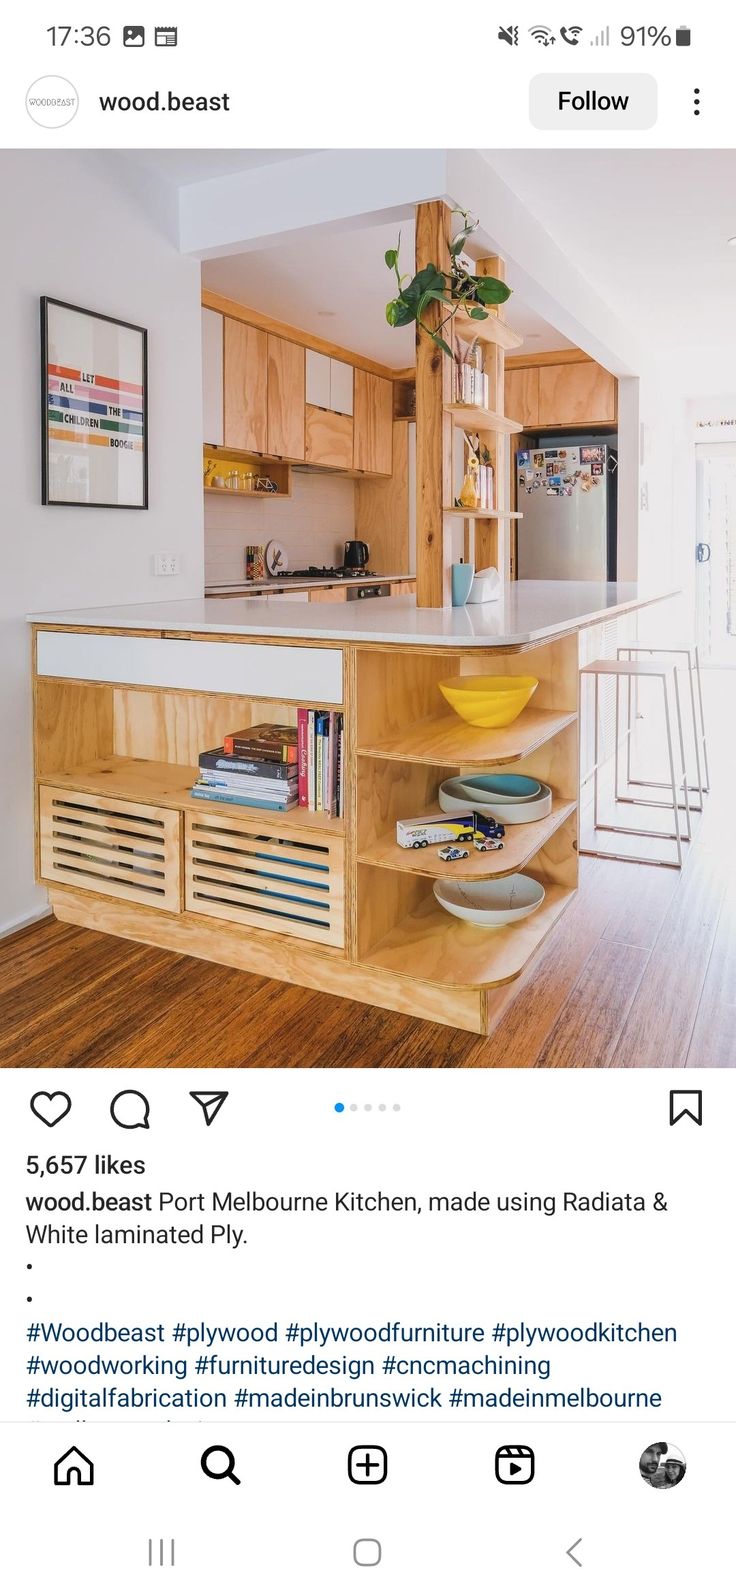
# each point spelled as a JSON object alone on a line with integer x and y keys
{"x": 313, "y": 525}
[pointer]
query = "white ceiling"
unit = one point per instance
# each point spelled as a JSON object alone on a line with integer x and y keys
{"x": 344, "y": 274}
{"x": 648, "y": 228}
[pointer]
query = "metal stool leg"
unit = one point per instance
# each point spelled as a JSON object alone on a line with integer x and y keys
{"x": 675, "y": 802}
{"x": 685, "y": 787}
{"x": 696, "y": 650}
{"x": 696, "y": 730}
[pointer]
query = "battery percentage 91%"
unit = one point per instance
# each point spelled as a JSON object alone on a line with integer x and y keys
{"x": 650, "y": 35}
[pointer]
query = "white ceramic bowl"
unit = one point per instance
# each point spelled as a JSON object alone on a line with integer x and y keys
{"x": 500, "y": 787}
{"x": 456, "y": 798}
{"x": 490, "y": 903}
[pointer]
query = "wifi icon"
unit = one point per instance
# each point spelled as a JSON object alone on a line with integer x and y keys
{"x": 542, "y": 35}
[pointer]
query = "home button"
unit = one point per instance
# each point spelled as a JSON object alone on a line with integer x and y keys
{"x": 74, "y": 1467}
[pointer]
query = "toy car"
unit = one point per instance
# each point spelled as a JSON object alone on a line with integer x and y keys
{"x": 451, "y": 854}
{"x": 487, "y": 844}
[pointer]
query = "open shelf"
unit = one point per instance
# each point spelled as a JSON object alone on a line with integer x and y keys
{"x": 450, "y": 742}
{"x": 474, "y": 417}
{"x": 521, "y": 843}
{"x": 484, "y": 514}
{"x": 169, "y": 786}
{"x": 240, "y": 492}
{"x": 492, "y": 330}
{"x": 429, "y": 944}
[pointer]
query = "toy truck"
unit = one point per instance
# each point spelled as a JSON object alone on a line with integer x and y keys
{"x": 437, "y": 829}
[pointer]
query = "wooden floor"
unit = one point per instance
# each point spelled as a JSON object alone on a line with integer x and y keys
{"x": 640, "y": 973}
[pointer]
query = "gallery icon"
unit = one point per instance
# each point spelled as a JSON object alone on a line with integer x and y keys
{"x": 166, "y": 37}
{"x": 514, "y": 1464}
{"x": 134, "y": 37}
{"x": 74, "y": 1467}
{"x": 51, "y": 1106}
{"x": 210, "y": 1101}
{"x": 367, "y": 1464}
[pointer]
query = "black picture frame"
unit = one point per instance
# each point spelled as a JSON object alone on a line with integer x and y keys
{"x": 138, "y": 431}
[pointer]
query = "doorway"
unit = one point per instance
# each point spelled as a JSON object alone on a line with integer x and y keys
{"x": 715, "y": 581}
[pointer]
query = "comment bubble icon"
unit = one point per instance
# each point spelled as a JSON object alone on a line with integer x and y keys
{"x": 130, "y": 1109}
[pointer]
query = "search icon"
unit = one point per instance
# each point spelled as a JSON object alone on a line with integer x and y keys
{"x": 218, "y": 1472}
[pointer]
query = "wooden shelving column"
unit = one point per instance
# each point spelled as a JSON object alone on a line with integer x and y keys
{"x": 487, "y": 538}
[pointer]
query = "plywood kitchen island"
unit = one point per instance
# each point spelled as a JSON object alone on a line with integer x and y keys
{"x": 126, "y": 698}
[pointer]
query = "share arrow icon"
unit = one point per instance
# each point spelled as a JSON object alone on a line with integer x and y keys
{"x": 210, "y": 1101}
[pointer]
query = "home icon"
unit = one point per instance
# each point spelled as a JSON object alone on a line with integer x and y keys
{"x": 74, "y": 1467}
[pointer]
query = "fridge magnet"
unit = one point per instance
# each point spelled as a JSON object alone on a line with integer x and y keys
{"x": 94, "y": 409}
{"x": 550, "y": 453}
{"x": 523, "y": 457}
{"x": 539, "y": 461}
{"x": 550, "y": 468}
{"x": 591, "y": 456}
{"x": 596, "y": 469}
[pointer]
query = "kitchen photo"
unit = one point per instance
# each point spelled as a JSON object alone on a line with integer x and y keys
{"x": 367, "y": 610}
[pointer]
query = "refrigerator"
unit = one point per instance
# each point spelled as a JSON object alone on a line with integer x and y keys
{"x": 567, "y": 496}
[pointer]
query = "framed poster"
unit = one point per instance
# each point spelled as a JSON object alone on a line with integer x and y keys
{"x": 94, "y": 407}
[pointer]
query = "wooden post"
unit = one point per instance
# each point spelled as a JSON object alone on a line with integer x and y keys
{"x": 434, "y": 426}
{"x": 492, "y": 537}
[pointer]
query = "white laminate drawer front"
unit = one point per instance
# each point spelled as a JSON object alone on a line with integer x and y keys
{"x": 341, "y": 387}
{"x": 253, "y": 669}
{"x": 318, "y": 379}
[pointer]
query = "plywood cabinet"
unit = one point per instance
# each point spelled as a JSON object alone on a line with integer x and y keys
{"x": 521, "y": 399}
{"x": 286, "y": 398}
{"x": 373, "y": 423}
{"x": 329, "y": 383}
{"x": 328, "y": 438}
{"x": 580, "y": 394}
{"x": 245, "y": 387}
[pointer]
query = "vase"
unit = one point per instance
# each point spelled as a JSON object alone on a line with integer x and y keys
{"x": 462, "y": 577}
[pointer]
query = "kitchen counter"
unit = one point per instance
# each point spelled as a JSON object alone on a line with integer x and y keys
{"x": 260, "y": 589}
{"x": 530, "y": 611}
{"x": 126, "y": 698}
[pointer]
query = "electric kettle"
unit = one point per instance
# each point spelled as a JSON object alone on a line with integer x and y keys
{"x": 357, "y": 555}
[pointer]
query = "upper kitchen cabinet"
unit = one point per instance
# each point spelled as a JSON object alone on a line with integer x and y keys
{"x": 329, "y": 383}
{"x": 212, "y": 378}
{"x": 286, "y": 398}
{"x": 245, "y": 387}
{"x": 578, "y": 394}
{"x": 373, "y": 413}
{"x": 521, "y": 395}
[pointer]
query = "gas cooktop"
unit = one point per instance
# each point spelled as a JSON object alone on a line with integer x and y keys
{"x": 324, "y": 573}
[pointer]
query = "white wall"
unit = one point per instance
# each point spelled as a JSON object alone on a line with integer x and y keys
{"x": 74, "y": 230}
{"x": 313, "y": 525}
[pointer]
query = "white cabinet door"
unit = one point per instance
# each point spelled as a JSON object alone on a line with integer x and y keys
{"x": 341, "y": 387}
{"x": 212, "y": 377}
{"x": 318, "y": 379}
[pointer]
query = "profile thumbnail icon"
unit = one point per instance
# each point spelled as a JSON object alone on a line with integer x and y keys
{"x": 662, "y": 1466}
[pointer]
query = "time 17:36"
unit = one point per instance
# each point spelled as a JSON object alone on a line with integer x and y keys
{"x": 63, "y": 34}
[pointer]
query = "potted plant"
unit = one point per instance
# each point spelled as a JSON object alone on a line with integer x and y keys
{"x": 456, "y": 289}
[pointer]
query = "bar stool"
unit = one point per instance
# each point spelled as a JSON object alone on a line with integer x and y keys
{"x": 697, "y": 716}
{"x": 631, "y": 670}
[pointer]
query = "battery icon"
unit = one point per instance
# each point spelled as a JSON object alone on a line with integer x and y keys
{"x": 682, "y": 36}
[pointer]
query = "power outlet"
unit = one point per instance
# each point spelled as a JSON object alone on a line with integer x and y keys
{"x": 166, "y": 564}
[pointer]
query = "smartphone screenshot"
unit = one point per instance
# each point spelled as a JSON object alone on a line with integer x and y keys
{"x": 367, "y": 860}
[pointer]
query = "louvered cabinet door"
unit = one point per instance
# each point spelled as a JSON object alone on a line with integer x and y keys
{"x": 120, "y": 849}
{"x": 265, "y": 875}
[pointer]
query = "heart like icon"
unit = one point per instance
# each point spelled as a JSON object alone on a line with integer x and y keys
{"x": 51, "y": 1107}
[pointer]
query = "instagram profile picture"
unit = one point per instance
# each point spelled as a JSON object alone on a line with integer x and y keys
{"x": 52, "y": 101}
{"x": 662, "y": 1466}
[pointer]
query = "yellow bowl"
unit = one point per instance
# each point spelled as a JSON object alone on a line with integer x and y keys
{"x": 489, "y": 700}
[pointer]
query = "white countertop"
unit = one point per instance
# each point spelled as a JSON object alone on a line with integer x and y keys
{"x": 261, "y": 589}
{"x": 529, "y": 612}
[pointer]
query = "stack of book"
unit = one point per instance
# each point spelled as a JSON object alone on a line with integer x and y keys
{"x": 321, "y": 763}
{"x": 255, "y": 768}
